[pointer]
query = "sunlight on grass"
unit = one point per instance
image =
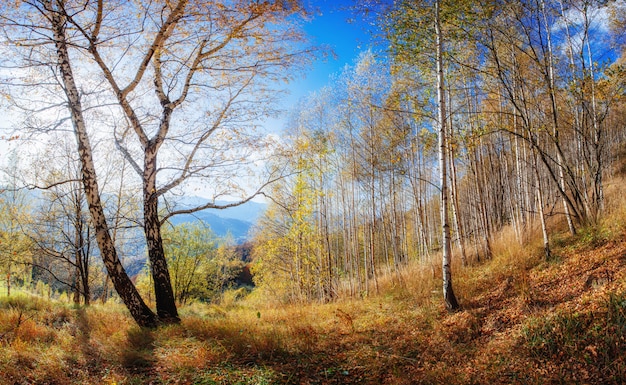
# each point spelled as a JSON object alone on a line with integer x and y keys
{"x": 519, "y": 312}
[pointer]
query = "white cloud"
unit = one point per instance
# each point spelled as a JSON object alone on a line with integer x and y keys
{"x": 582, "y": 21}
{"x": 597, "y": 18}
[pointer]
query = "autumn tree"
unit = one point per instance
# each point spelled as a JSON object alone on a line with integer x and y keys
{"x": 15, "y": 247}
{"x": 339, "y": 221}
{"x": 540, "y": 71}
{"x": 422, "y": 35}
{"x": 60, "y": 230}
{"x": 478, "y": 106}
{"x": 287, "y": 241}
{"x": 200, "y": 264}
{"x": 178, "y": 88}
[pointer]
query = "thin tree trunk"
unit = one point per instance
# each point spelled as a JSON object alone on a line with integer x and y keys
{"x": 540, "y": 204}
{"x": 373, "y": 227}
{"x": 598, "y": 189}
{"x": 555, "y": 122}
{"x": 458, "y": 224}
{"x": 78, "y": 244}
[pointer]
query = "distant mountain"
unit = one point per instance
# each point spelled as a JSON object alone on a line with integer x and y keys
{"x": 249, "y": 211}
{"x": 236, "y": 221}
{"x": 220, "y": 226}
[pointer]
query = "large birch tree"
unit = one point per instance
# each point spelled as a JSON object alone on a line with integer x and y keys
{"x": 177, "y": 86}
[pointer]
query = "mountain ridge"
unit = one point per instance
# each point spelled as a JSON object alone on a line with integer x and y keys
{"x": 235, "y": 221}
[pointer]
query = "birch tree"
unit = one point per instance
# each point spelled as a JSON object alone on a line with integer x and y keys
{"x": 448, "y": 292}
{"x": 178, "y": 88}
{"x": 418, "y": 32}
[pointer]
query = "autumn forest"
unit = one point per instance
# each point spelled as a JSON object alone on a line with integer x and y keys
{"x": 447, "y": 209}
{"x": 482, "y": 118}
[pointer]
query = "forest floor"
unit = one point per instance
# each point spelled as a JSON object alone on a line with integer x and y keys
{"x": 523, "y": 320}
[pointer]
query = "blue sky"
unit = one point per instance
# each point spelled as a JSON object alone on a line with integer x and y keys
{"x": 331, "y": 27}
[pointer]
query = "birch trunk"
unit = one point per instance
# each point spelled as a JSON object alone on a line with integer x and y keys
{"x": 555, "y": 123}
{"x": 140, "y": 312}
{"x": 163, "y": 292}
{"x": 448, "y": 292}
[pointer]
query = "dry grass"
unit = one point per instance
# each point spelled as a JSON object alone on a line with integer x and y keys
{"x": 523, "y": 320}
{"x": 504, "y": 334}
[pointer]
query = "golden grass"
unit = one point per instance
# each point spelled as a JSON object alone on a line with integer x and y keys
{"x": 402, "y": 336}
{"x": 517, "y": 311}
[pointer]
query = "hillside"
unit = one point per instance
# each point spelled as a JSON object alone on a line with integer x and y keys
{"x": 220, "y": 226}
{"x": 247, "y": 212}
{"x": 523, "y": 320}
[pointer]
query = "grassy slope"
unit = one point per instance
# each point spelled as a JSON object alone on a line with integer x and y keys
{"x": 524, "y": 320}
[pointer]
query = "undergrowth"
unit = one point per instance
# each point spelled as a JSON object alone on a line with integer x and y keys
{"x": 593, "y": 342}
{"x": 523, "y": 320}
